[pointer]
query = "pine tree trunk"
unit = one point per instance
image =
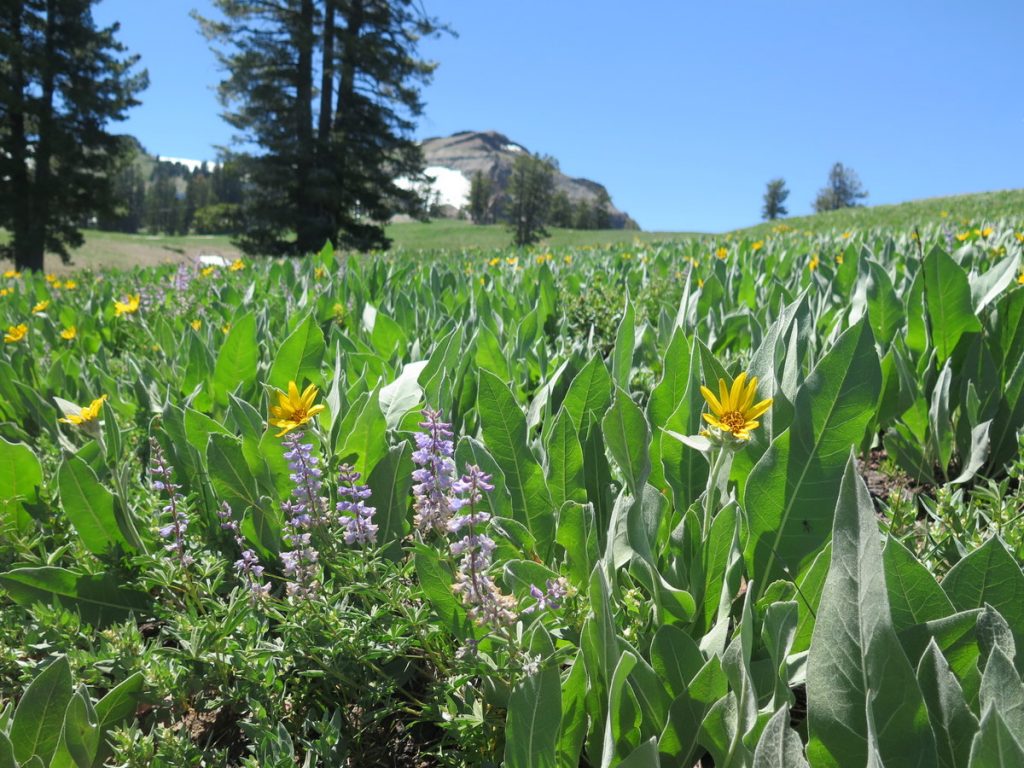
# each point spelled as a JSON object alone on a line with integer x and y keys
{"x": 44, "y": 149}
{"x": 18, "y": 149}
{"x": 306, "y": 230}
{"x": 327, "y": 76}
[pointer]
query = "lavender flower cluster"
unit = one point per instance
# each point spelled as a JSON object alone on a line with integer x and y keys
{"x": 305, "y": 509}
{"x": 435, "y": 502}
{"x": 163, "y": 480}
{"x": 248, "y": 565}
{"x": 356, "y": 517}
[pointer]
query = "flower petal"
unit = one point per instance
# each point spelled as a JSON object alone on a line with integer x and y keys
{"x": 716, "y": 406}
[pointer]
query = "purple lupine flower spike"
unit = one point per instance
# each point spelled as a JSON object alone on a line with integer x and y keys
{"x": 355, "y": 515}
{"x": 306, "y": 508}
{"x": 435, "y": 501}
{"x": 175, "y": 509}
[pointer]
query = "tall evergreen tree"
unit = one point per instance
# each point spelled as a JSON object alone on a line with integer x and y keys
{"x": 530, "y": 190}
{"x": 330, "y": 151}
{"x": 62, "y": 79}
{"x": 481, "y": 192}
{"x": 775, "y": 195}
{"x": 843, "y": 190}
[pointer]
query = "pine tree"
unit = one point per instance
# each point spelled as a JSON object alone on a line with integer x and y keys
{"x": 775, "y": 195}
{"x": 330, "y": 150}
{"x": 61, "y": 80}
{"x": 843, "y": 190}
{"x": 529, "y": 191}
{"x": 561, "y": 214}
{"x": 481, "y": 191}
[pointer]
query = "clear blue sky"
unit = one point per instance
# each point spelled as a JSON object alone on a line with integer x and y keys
{"x": 682, "y": 108}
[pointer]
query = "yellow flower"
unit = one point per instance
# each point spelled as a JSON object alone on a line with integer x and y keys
{"x": 52, "y": 278}
{"x": 846, "y": 235}
{"x": 722, "y": 252}
{"x": 15, "y": 333}
{"x": 568, "y": 256}
{"x": 89, "y": 413}
{"x": 237, "y": 265}
{"x": 839, "y": 259}
{"x": 129, "y": 307}
{"x": 757, "y": 246}
{"x": 5, "y": 292}
{"x": 226, "y": 328}
{"x": 987, "y": 232}
{"x": 915, "y": 236}
{"x": 319, "y": 273}
{"x": 69, "y": 333}
{"x": 70, "y": 285}
{"x": 12, "y": 273}
{"x": 207, "y": 271}
{"x": 494, "y": 262}
{"x": 197, "y": 324}
{"x": 1019, "y": 236}
{"x": 512, "y": 261}
{"x": 294, "y": 410}
{"x": 700, "y": 283}
{"x": 963, "y": 236}
{"x": 40, "y": 307}
{"x": 943, "y": 214}
{"x": 1020, "y": 278}
{"x": 813, "y": 263}
{"x": 734, "y": 409}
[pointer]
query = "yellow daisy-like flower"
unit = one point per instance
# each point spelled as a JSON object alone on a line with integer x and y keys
{"x": 129, "y": 307}
{"x": 839, "y": 259}
{"x": 40, "y": 307}
{"x": 734, "y": 409}
{"x": 237, "y": 265}
{"x": 987, "y": 232}
{"x": 12, "y": 273}
{"x": 963, "y": 236}
{"x": 207, "y": 271}
{"x": 89, "y": 413}
{"x": 814, "y": 263}
{"x": 225, "y": 329}
{"x": 294, "y": 410}
{"x": 52, "y": 278}
{"x": 757, "y": 246}
{"x": 512, "y": 261}
{"x": 70, "y": 285}
{"x": 568, "y": 258}
{"x": 1020, "y": 279}
{"x": 319, "y": 273}
{"x": 722, "y": 252}
{"x": 1019, "y": 236}
{"x": 846, "y": 235}
{"x": 69, "y": 333}
{"x": 197, "y": 324}
{"x": 5, "y": 292}
{"x": 494, "y": 262}
{"x": 943, "y": 214}
{"x": 15, "y": 333}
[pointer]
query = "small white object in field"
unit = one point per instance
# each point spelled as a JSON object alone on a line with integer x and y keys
{"x": 212, "y": 260}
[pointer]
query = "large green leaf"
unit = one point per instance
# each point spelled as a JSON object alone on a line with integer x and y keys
{"x": 535, "y": 711}
{"x": 856, "y": 667}
{"x": 90, "y": 507}
{"x": 299, "y": 357}
{"x": 237, "y": 359}
{"x": 791, "y": 492}
{"x": 626, "y": 434}
{"x": 779, "y": 746}
{"x": 366, "y": 442}
{"x": 948, "y": 297}
{"x": 989, "y": 575}
{"x": 565, "y": 461}
{"x": 100, "y": 599}
{"x": 504, "y": 431}
{"x": 40, "y": 714}
{"x": 21, "y": 477}
{"x": 914, "y": 595}
{"x": 994, "y": 745}
{"x": 952, "y": 721}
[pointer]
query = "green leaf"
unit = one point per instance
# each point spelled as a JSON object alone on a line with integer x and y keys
{"x": 578, "y": 538}
{"x": 625, "y": 344}
{"x": 680, "y": 737}
{"x": 666, "y": 397}
{"x": 80, "y": 738}
{"x": 1001, "y": 689}
{"x": 994, "y": 745}
{"x": 366, "y": 442}
{"x": 237, "y": 359}
{"x": 436, "y": 581}
{"x": 121, "y": 701}
{"x": 90, "y": 507}
{"x": 229, "y": 472}
{"x": 588, "y": 396}
{"x": 535, "y": 711}
{"x": 99, "y": 599}
{"x": 675, "y": 657}
{"x": 6, "y": 752}
{"x": 989, "y": 575}
{"x": 21, "y": 477}
{"x": 948, "y": 297}
{"x": 856, "y": 666}
{"x": 779, "y": 745}
{"x": 390, "y": 482}
{"x": 40, "y": 714}
{"x": 299, "y": 357}
{"x": 791, "y": 492}
{"x": 504, "y": 432}
{"x": 573, "y": 716}
{"x": 885, "y": 311}
{"x": 565, "y": 461}
{"x": 953, "y": 723}
{"x": 626, "y": 435}
{"x": 644, "y": 756}
{"x": 914, "y": 595}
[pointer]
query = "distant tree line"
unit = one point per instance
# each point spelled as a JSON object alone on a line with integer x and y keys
{"x": 843, "y": 190}
{"x": 531, "y": 203}
{"x": 171, "y": 199}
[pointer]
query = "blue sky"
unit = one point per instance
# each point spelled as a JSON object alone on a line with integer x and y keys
{"x": 682, "y": 108}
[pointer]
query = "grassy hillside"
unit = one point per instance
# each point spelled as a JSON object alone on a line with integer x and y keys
{"x": 113, "y": 249}
{"x": 956, "y": 211}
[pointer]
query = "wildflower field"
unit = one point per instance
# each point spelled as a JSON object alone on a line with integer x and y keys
{"x": 721, "y": 501}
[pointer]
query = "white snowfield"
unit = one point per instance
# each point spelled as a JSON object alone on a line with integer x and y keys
{"x": 450, "y": 187}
